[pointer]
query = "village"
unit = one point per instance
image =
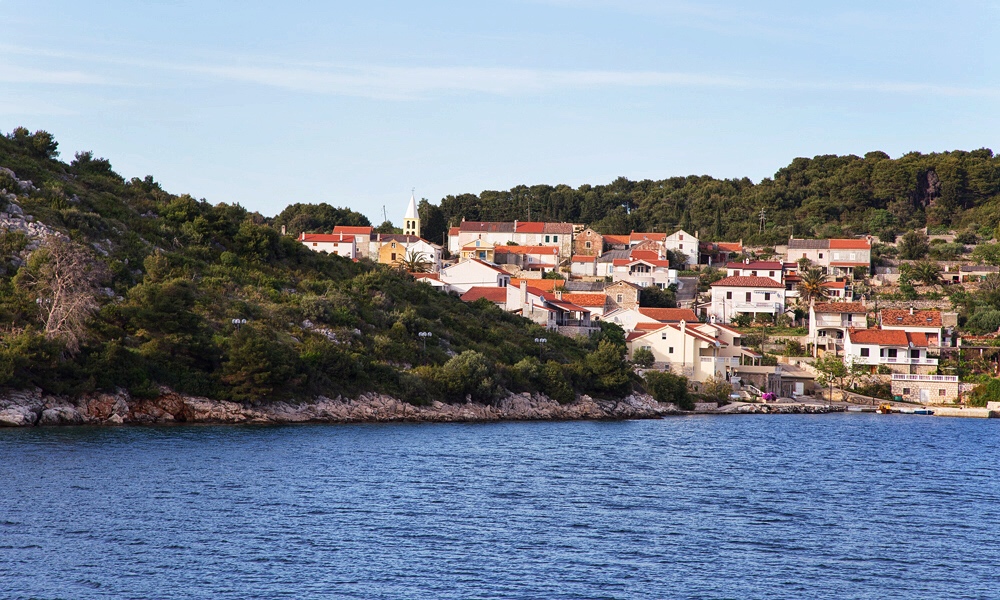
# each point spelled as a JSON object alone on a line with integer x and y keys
{"x": 800, "y": 320}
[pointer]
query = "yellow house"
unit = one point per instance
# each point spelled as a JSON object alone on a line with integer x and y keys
{"x": 478, "y": 249}
{"x": 392, "y": 253}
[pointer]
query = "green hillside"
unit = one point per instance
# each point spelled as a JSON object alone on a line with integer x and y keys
{"x": 142, "y": 289}
{"x": 826, "y": 196}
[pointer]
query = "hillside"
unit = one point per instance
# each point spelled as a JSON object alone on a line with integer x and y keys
{"x": 826, "y": 196}
{"x": 111, "y": 284}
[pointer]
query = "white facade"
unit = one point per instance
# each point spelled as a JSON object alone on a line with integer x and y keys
{"x": 736, "y": 295}
{"x": 644, "y": 273}
{"x": 331, "y": 244}
{"x": 684, "y": 243}
{"x": 683, "y": 349}
{"x": 473, "y": 272}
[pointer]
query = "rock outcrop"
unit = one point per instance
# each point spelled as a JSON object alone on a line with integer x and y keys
{"x": 22, "y": 409}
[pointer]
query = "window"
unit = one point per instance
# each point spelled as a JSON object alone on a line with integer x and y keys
{"x": 670, "y": 350}
{"x": 393, "y": 256}
{"x": 586, "y": 245}
{"x": 804, "y": 255}
{"x": 865, "y": 352}
{"x": 906, "y": 391}
{"x": 663, "y": 336}
{"x": 891, "y": 353}
{"x": 754, "y": 273}
{"x": 619, "y": 298}
{"x": 737, "y": 341}
{"x": 854, "y": 256}
{"x": 681, "y": 237}
{"x": 821, "y": 255}
{"x": 729, "y": 295}
{"x": 555, "y": 238}
{"x": 546, "y": 238}
{"x": 394, "y": 245}
{"x": 748, "y": 296}
{"x": 770, "y": 273}
{"x": 767, "y": 295}
{"x": 681, "y": 246}
{"x": 314, "y": 244}
{"x": 941, "y": 392}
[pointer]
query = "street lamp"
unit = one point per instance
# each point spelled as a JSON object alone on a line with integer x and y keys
{"x": 237, "y": 323}
{"x": 541, "y": 346}
{"x": 423, "y": 337}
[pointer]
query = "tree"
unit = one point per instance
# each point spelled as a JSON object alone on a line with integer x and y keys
{"x": 987, "y": 253}
{"x": 811, "y": 285}
{"x": 608, "y": 369}
{"x": 65, "y": 282}
{"x": 913, "y": 245}
{"x": 927, "y": 272}
{"x": 387, "y": 227}
{"x": 831, "y": 368}
{"x": 669, "y": 388}
{"x": 415, "y": 261}
{"x": 654, "y": 297}
{"x": 716, "y": 389}
{"x": 643, "y": 357}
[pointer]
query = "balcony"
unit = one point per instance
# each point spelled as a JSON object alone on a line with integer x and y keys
{"x": 904, "y": 360}
{"x": 931, "y": 378}
{"x": 771, "y": 307}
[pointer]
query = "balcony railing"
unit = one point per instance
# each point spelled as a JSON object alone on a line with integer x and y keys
{"x": 757, "y": 306}
{"x": 940, "y": 378}
{"x": 905, "y": 360}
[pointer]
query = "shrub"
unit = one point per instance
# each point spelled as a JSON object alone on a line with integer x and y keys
{"x": 669, "y": 388}
{"x": 643, "y": 357}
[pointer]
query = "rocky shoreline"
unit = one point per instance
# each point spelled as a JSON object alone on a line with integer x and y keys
{"x": 34, "y": 408}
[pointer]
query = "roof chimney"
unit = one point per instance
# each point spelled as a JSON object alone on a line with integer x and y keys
{"x": 911, "y": 310}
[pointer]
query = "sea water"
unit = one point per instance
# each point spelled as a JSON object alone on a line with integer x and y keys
{"x": 768, "y": 506}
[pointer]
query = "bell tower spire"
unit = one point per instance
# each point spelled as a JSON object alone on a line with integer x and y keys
{"x": 411, "y": 221}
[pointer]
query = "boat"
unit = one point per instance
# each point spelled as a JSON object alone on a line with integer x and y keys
{"x": 923, "y": 411}
{"x": 884, "y": 408}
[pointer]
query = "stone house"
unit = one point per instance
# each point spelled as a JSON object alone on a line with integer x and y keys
{"x": 588, "y": 243}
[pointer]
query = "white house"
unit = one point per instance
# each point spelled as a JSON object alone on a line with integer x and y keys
{"x": 341, "y": 245}
{"x": 759, "y": 268}
{"x": 364, "y": 240}
{"x": 630, "y": 319}
{"x": 746, "y": 295}
{"x": 684, "y": 349}
{"x": 394, "y": 248}
{"x": 898, "y": 350}
{"x": 927, "y": 322}
{"x": 829, "y": 323}
{"x": 461, "y": 276}
{"x": 644, "y": 272}
{"x": 684, "y": 243}
{"x": 583, "y": 266}
{"x": 836, "y": 256}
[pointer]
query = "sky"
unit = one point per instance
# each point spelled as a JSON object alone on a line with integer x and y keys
{"x": 355, "y": 104}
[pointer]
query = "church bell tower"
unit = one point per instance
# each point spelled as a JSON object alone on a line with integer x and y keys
{"x": 411, "y": 222}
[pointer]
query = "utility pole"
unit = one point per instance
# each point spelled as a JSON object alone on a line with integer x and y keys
{"x": 763, "y": 219}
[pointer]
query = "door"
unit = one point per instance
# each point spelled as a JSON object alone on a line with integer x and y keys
{"x": 925, "y": 396}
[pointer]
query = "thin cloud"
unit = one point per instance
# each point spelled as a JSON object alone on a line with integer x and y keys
{"x": 13, "y": 74}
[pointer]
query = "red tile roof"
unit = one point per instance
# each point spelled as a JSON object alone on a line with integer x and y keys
{"x": 493, "y": 294}
{"x": 731, "y": 246}
{"x": 641, "y": 237}
{"x": 850, "y": 244}
{"x": 919, "y": 318}
{"x": 326, "y": 237}
{"x": 530, "y": 227}
{"x": 835, "y": 284}
{"x": 349, "y": 230}
{"x": 756, "y": 265}
{"x": 584, "y": 259}
{"x": 454, "y": 231}
{"x": 746, "y": 281}
{"x": 669, "y": 314}
{"x": 886, "y": 337}
{"x": 616, "y": 240}
{"x": 585, "y": 299}
{"x": 840, "y": 307}
{"x": 644, "y": 254}
{"x": 547, "y": 285}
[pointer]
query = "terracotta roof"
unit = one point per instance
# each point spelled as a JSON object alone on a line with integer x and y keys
{"x": 547, "y": 285}
{"x": 584, "y": 259}
{"x": 758, "y": 265}
{"x": 730, "y": 246}
{"x": 616, "y": 239}
{"x": 529, "y": 227}
{"x": 850, "y": 244}
{"x": 745, "y": 281}
{"x": 654, "y": 326}
{"x": 419, "y": 276}
{"x": 621, "y": 262}
{"x": 886, "y": 337}
{"x": 527, "y": 249}
{"x": 493, "y": 294}
{"x": 669, "y": 314}
{"x": 840, "y": 307}
{"x": 903, "y": 318}
{"x": 644, "y": 254}
{"x": 454, "y": 231}
{"x": 584, "y": 299}
{"x": 835, "y": 284}
{"x": 326, "y": 237}
{"x": 559, "y": 228}
{"x": 348, "y": 230}
{"x": 640, "y": 237}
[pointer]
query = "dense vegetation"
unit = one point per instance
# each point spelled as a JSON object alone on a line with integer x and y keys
{"x": 825, "y": 196}
{"x": 150, "y": 289}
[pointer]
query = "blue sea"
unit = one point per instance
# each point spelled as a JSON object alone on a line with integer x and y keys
{"x": 768, "y": 506}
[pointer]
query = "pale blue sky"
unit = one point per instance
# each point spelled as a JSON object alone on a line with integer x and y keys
{"x": 267, "y": 104}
